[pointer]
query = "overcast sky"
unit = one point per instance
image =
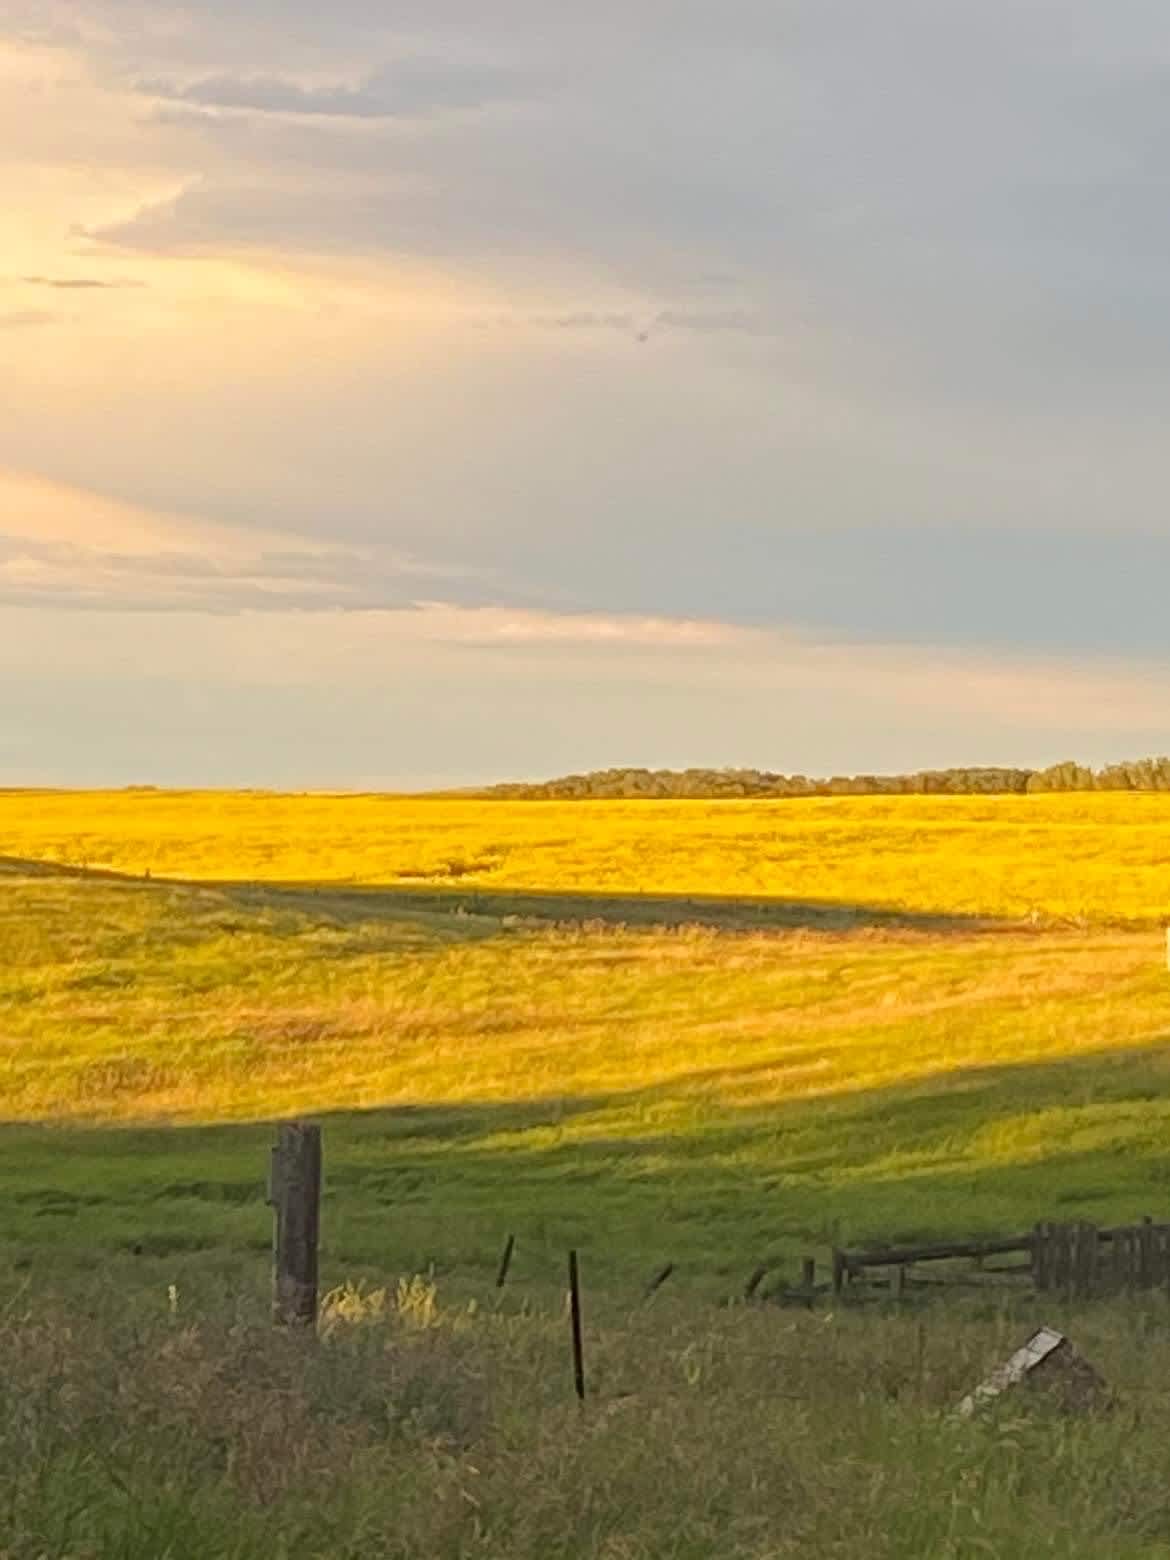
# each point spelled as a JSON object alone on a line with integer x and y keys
{"x": 397, "y": 392}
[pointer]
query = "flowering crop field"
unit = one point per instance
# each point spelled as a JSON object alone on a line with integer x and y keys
{"x": 1102, "y": 858}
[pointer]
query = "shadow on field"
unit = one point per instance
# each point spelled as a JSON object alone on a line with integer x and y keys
{"x": 347, "y": 902}
{"x": 632, "y": 1177}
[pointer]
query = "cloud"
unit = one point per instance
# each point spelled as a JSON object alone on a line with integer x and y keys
{"x": 69, "y": 551}
{"x": 224, "y": 218}
{"x": 1029, "y": 691}
{"x": 643, "y": 325}
{"x": 80, "y": 283}
{"x": 760, "y": 672}
{"x": 904, "y": 384}
{"x": 584, "y": 319}
{"x": 379, "y": 699}
{"x": 84, "y": 556}
{"x": 74, "y": 550}
{"x": 739, "y": 321}
{"x": 408, "y": 89}
{"x": 79, "y": 577}
{"x": 19, "y": 319}
{"x": 505, "y": 628}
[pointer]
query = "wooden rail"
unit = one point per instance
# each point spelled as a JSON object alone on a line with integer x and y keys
{"x": 1061, "y": 1257}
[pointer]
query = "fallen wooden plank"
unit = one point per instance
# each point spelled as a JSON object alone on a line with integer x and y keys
{"x": 1047, "y": 1358}
{"x": 1034, "y": 1352}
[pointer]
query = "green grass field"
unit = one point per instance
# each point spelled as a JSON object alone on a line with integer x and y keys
{"x": 713, "y": 1034}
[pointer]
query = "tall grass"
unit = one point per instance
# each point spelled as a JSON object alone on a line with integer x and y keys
{"x": 174, "y": 1432}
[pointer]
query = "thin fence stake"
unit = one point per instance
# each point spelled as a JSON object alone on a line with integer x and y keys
{"x": 505, "y": 1261}
{"x": 658, "y": 1280}
{"x": 575, "y": 1315}
{"x": 755, "y": 1281}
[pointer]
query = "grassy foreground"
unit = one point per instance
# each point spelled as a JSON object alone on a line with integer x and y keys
{"x": 187, "y": 1430}
{"x": 713, "y": 1034}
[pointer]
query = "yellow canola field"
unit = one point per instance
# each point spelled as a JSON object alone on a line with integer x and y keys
{"x": 1102, "y": 858}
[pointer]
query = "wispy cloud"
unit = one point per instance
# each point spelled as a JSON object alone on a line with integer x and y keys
{"x": 599, "y": 689}
{"x": 406, "y": 89}
{"x": 504, "y": 628}
{"x": 66, "y": 548}
{"x": 643, "y": 324}
{"x": 917, "y": 681}
{"x": 81, "y": 283}
{"x": 739, "y": 321}
{"x": 910, "y": 386}
{"x": 19, "y": 319}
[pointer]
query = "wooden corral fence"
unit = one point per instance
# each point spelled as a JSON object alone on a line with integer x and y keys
{"x": 1076, "y": 1260}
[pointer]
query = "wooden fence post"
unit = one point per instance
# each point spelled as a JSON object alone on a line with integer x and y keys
{"x": 295, "y": 1196}
{"x": 1146, "y": 1253}
{"x": 1088, "y": 1243}
{"x": 840, "y": 1271}
{"x": 1041, "y": 1259}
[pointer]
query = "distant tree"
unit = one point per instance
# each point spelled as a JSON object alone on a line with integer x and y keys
{"x": 633, "y": 784}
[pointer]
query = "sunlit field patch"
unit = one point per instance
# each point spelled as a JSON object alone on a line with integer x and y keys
{"x": 1074, "y": 858}
{"x": 701, "y": 1032}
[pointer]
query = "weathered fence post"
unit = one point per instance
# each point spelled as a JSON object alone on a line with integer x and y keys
{"x": 295, "y": 1197}
{"x": 840, "y": 1271}
{"x": 1041, "y": 1259}
{"x": 1087, "y": 1245}
{"x": 1146, "y": 1253}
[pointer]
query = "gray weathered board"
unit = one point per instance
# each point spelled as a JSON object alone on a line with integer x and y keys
{"x": 1038, "y": 1348}
{"x": 1048, "y": 1359}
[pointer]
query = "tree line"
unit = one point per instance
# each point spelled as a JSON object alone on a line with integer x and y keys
{"x": 1146, "y": 774}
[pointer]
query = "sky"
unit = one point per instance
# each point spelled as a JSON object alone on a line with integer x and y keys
{"x": 398, "y": 393}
